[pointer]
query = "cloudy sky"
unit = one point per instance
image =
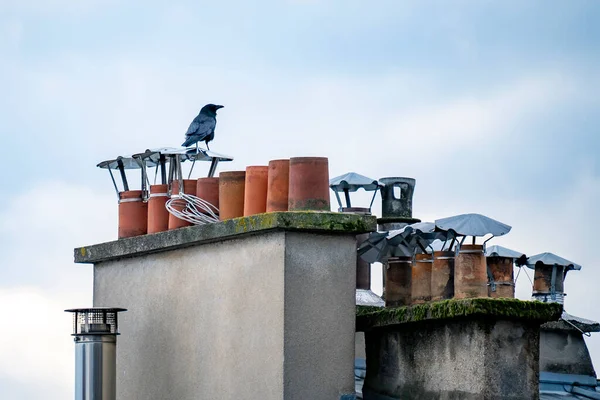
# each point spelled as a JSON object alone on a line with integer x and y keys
{"x": 491, "y": 106}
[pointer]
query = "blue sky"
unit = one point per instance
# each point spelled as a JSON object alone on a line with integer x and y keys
{"x": 491, "y": 106}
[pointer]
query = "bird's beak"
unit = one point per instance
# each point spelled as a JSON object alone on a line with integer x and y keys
{"x": 217, "y": 107}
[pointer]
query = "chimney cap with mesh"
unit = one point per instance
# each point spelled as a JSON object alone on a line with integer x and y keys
{"x": 95, "y": 321}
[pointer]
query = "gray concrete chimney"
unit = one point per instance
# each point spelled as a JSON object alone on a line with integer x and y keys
{"x": 259, "y": 307}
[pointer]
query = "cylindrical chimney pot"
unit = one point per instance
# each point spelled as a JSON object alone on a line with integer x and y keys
{"x": 442, "y": 275}
{"x": 158, "y": 215}
{"x": 502, "y": 274}
{"x": 208, "y": 190}
{"x": 255, "y": 190}
{"x": 278, "y": 185}
{"x": 470, "y": 272}
{"x": 398, "y": 281}
{"x": 421, "y": 278}
{"x": 133, "y": 214}
{"x": 309, "y": 184}
{"x": 231, "y": 194}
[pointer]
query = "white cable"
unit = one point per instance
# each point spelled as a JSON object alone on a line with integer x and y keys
{"x": 193, "y": 209}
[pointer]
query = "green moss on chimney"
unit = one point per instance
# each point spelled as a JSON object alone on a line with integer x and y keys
{"x": 535, "y": 311}
{"x": 303, "y": 220}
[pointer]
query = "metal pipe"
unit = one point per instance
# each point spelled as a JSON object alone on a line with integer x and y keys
{"x": 587, "y": 393}
{"x": 95, "y": 367}
{"x": 95, "y": 333}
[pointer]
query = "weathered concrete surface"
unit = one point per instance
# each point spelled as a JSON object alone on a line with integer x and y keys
{"x": 454, "y": 349}
{"x": 304, "y": 221}
{"x": 265, "y": 316}
{"x": 565, "y": 352}
{"x": 454, "y": 360}
{"x": 319, "y": 323}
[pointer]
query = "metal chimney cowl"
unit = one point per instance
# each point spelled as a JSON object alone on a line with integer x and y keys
{"x": 397, "y": 207}
{"x": 95, "y": 333}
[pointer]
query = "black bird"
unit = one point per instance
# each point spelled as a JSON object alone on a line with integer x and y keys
{"x": 202, "y": 127}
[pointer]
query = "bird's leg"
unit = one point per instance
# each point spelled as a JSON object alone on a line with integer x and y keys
{"x": 196, "y": 147}
{"x": 207, "y": 146}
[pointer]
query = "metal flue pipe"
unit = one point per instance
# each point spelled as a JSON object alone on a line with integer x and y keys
{"x": 95, "y": 333}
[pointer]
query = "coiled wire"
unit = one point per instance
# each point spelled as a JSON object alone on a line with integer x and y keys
{"x": 186, "y": 206}
{"x": 192, "y": 209}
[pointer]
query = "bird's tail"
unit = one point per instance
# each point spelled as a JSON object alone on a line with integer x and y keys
{"x": 188, "y": 142}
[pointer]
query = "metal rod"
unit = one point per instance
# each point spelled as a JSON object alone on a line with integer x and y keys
{"x": 373, "y": 199}
{"x": 518, "y": 273}
{"x": 171, "y": 173}
{"x": 179, "y": 173}
{"x": 123, "y": 176}
{"x": 163, "y": 170}
{"x": 145, "y": 180}
{"x": 588, "y": 334}
{"x": 192, "y": 168}
{"x": 347, "y": 196}
{"x": 587, "y": 393}
{"x": 452, "y": 242}
{"x": 421, "y": 246}
{"x": 213, "y": 166}
{"x": 337, "y": 196}
{"x": 114, "y": 183}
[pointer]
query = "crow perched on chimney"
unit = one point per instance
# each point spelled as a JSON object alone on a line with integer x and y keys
{"x": 202, "y": 127}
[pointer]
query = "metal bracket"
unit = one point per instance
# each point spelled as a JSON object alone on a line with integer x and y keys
{"x": 485, "y": 242}
{"x": 163, "y": 171}
{"x": 588, "y": 334}
{"x": 145, "y": 180}
{"x": 122, "y": 171}
{"x": 373, "y": 198}
{"x": 337, "y": 196}
{"x": 114, "y": 183}
{"x": 491, "y": 280}
{"x": 213, "y": 167}
{"x": 347, "y": 197}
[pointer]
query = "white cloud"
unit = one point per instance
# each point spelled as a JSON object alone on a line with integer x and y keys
{"x": 41, "y": 226}
{"x": 38, "y": 281}
{"x": 471, "y": 121}
{"x": 36, "y": 347}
